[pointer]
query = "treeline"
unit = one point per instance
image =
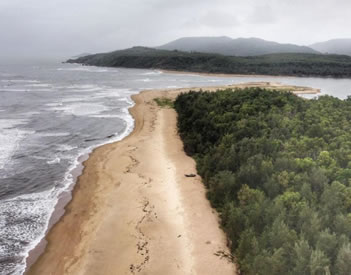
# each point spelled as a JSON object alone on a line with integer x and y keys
{"x": 292, "y": 64}
{"x": 278, "y": 170}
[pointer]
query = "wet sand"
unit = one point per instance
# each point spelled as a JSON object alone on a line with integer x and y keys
{"x": 134, "y": 212}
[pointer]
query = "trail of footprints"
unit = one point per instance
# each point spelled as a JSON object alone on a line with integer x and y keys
{"x": 134, "y": 163}
{"x": 148, "y": 215}
{"x": 143, "y": 240}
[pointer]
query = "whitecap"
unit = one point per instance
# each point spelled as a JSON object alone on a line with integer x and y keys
{"x": 65, "y": 147}
{"x": 81, "y": 88}
{"x": 215, "y": 80}
{"x": 153, "y": 73}
{"x": 144, "y": 80}
{"x": 126, "y": 99}
{"x": 111, "y": 92}
{"x": 38, "y": 157}
{"x": 9, "y": 140}
{"x": 81, "y": 109}
{"x": 10, "y": 137}
{"x": 14, "y": 90}
{"x": 87, "y": 69}
{"x": 54, "y": 104}
{"x": 41, "y": 85}
{"x": 54, "y": 161}
{"x": 21, "y": 80}
{"x": 106, "y": 116}
{"x": 53, "y": 134}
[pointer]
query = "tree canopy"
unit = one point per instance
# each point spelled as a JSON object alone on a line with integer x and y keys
{"x": 278, "y": 170}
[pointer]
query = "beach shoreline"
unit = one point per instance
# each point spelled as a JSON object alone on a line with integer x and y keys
{"x": 150, "y": 221}
{"x": 123, "y": 217}
{"x": 233, "y": 75}
{"x": 229, "y": 75}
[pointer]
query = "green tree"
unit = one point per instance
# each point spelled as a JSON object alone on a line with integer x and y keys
{"x": 302, "y": 255}
{"x": 319, "y": 263}
{"x": 343, "y": 261}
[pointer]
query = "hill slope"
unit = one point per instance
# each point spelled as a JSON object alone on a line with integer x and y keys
{"x": 234, "y": 47}
{"x": 274, "y": 64}
{"x": 335, "y": 46}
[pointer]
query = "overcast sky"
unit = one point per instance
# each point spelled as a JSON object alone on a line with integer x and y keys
{"x": 62, "y": 28}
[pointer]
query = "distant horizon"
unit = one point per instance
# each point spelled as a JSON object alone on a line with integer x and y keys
{"x": 62, "y": 28}
{"x": 55, "y": 57}
{"x": 214, "y": 36}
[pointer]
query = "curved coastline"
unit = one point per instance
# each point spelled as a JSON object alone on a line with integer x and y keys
{"x": 65, "y": 194}
{"x": 74, "y": 243}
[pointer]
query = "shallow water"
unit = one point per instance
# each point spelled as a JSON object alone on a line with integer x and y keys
{"x": 52, "y": 114}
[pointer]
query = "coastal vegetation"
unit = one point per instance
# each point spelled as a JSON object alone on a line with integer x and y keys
{"x": 291, "y": 64}
{"x": 164, "y": 102}
{"x": 277, "y": 168}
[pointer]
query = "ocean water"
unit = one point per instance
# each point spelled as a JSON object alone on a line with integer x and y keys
{"x": 51, "y": 115}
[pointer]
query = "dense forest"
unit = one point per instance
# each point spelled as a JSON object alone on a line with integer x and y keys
{"x": 278, "y": 170}
{"x": 292, "y": 64}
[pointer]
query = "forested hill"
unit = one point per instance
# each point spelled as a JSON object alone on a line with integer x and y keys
{"x": 278, "y": 169}
{"x": 293, "y": 64}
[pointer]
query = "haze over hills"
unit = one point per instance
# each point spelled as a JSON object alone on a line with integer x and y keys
{"x": 234, "y": 47}
{"x": 334, "y": 46}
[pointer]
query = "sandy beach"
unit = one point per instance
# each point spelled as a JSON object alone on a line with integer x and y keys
{"x": 226, "y": 75}
{"x": 133, "y": 210}
{"x": 221, "y": 74}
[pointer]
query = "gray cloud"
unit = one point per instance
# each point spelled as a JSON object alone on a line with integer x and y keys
{"x": 213, "y": 19}
{"x": 62, "y": 28}
{"x": 262, "y": 14}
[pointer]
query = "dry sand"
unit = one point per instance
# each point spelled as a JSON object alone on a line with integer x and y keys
{"x": 134, "y": 212}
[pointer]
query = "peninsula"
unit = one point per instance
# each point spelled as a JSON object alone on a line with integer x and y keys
{"x": 279, "y": 64}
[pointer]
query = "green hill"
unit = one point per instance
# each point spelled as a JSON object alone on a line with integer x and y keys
{"x": 293, "y": 64}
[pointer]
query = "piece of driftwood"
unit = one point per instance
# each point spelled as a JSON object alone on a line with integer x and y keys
{"x": 221, "y": 254}
{"x": 190, "y": 175}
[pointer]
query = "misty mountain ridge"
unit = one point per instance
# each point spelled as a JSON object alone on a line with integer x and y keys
{"x": 334, "y": 46}
{"x": 234, "y": 47}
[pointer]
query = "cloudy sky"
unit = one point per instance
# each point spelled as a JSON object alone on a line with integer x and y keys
{"x": 62, "y": 28}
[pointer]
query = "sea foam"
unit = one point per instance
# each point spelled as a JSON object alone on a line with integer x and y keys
{"x": 10, "y": 138}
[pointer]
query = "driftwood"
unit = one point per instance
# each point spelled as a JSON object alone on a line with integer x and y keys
{"x": 223, "y": 255}
{"x": 190, "y": 175}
